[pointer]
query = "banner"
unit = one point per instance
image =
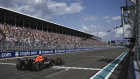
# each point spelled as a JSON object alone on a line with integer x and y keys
{"x": 41, "y": 52}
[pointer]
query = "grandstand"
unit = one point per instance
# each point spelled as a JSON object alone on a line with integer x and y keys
{"x": 20, "y": 32}
{"x": 24, "y": 37}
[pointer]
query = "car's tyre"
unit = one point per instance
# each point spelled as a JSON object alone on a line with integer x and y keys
{"x": 20, "y": 65}
{"x": 63, "y": 62}
{"x": 58, "y": 61}
{"x": 37, "y": 66}
{"x": 51, "y": 64}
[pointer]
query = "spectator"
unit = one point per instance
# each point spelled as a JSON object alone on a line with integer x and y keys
{"x": 15, "y": 34}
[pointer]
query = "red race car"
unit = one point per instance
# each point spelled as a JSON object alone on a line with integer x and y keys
{"x": 31, "y": 64}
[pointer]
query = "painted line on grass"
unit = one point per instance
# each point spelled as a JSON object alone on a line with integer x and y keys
{"x": 107, "y": 70}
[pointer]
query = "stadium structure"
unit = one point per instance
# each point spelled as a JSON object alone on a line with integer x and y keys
{"x": 24, "y": 32}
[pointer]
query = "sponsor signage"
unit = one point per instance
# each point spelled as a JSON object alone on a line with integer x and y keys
{"x": 60, "y": 50}
{"x": 25, "y": 53}
{"x": 7, "y": 54}
{"x": 69, "y": 50}
{"x": 76, "y": 49}
{"x": 41, "y": 52}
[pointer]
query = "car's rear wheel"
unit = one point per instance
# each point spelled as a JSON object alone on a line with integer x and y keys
{"x": 51, "y": 64}
{"x": 19, "y": 66}
{"x": 37, "y": 66}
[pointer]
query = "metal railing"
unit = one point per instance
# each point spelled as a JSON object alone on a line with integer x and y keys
{"x": 6, "y": 46}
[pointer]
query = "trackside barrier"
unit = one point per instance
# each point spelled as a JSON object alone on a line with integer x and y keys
{"x": 41, "y": 52}
{"x": 108, "y": 70}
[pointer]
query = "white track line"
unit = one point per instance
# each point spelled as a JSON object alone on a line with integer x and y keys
{"x": 79, "y": 68}
{"x": 8, "y": 63}
{"x": 56, "y": 73}
{"x": 67, "y": 68}
{"x": 59, "y": 67}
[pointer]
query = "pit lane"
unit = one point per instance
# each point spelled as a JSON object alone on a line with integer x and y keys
{"x": 79, "y": 65}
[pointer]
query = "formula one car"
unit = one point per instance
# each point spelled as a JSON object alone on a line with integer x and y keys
{"x": 30, "y": 64}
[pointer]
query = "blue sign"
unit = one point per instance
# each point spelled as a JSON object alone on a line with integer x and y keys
{"x": 60, "y": 50}
{"x": 7, "y": 54}
{"x": 41, "y": 52}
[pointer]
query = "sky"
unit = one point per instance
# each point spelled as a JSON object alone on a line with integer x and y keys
{"x": 89, "y": 16}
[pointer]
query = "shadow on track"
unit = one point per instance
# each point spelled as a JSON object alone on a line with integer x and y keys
{"x": 106, "y": 60}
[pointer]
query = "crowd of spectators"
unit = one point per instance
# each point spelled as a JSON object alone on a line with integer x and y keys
{"x": 18, "y": 36}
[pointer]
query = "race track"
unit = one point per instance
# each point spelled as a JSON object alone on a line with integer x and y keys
{"x": 79, "y": 65}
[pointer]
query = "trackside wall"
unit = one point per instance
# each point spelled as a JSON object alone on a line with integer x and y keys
{"x": 41, "y": 52}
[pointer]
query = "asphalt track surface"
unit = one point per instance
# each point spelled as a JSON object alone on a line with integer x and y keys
{"x": 79, "y": 65}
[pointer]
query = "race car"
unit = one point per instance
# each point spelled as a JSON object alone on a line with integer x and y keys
{"x": 30, "y": 64}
